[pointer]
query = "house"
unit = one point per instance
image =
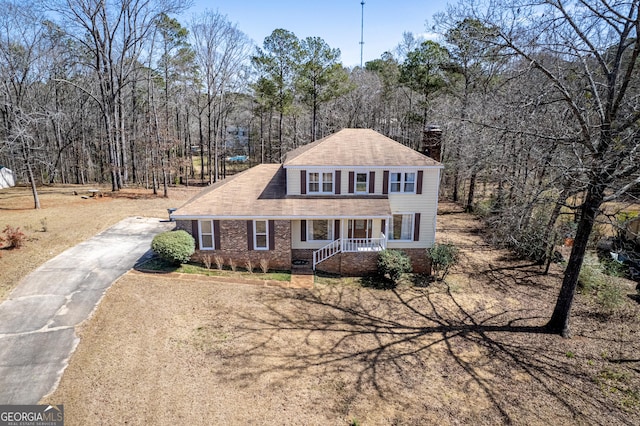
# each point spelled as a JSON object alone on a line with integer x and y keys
{"x": 6, "y": 178}
{"x": 334, "y": 204}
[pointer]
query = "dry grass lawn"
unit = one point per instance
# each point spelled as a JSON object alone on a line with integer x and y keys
{"x": 68, "y": 220}
{"x": 167, "y": 350}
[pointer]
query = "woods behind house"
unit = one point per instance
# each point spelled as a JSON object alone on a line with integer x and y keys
{"x": 537, "y": 102}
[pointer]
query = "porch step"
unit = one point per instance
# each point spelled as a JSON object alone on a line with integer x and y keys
{"x": 307, "y": 270}
{"x": 301, "y": 264}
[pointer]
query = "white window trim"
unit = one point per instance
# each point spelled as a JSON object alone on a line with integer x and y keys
{"x": 255, "y": 234}
{"x": 200, "y": 234}
{"x": 321, "y": 181}
{"x": 310, "y": 230}
{"x": 411, "y": 232}
{"x": 403, "y": 181}
{"x": 355, "y": 182}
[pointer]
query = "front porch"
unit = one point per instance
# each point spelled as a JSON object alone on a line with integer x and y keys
{"x": 331, "y": 242}
{"x": 349, "y": 245}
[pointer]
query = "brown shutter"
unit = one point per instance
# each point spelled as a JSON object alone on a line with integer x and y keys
{"x": 372, "y": 182}
{"x": 337, "y": 182}
{"x": 336, "y": 229}
{"x": 383, "y": 224}
{"x": 416, "y": 227}
{"x": 419, "y": 183}
{"x": 250, "y": 235}
{"x": 195, "y": 234}
{"x": 385, "y": 182}
{"x": 272, "y": 234}
{"x": 303, "y": 182}
{"x": 352, "y": 178}
{"x": 303, "y": 230}
{"x": 216, "y": 234}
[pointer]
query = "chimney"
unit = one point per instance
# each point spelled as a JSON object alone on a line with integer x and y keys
{"x": 432, "y": 142}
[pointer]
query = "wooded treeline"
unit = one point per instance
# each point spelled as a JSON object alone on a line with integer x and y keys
{"x": 539, "y": 103}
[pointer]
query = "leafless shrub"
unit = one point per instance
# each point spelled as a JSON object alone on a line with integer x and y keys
{"x": 232, "y": 264}
{"x": 219, "y": 261}
{"x": 249, "y": 265}
{"x": 264, "y": 265}
{"x": 206, "y": 259}
{"x": 14, "y": 237}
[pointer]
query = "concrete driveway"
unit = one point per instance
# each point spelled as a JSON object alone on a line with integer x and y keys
{"x": 38, "y": 320}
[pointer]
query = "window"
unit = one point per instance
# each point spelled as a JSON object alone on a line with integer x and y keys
{"x": 409, "y": 182}
{"x": 395, "y": 182}
{"x": 362, "y": 182}
{"x": 402, "y": 182}
{"x": 206, "y": 235}
{"x": 401, "y": 227}
{"x": 319, "y": 230}
{"x": 314, "y": 182}
{"x": 260, "y": 235}
{"x": 321, "y": 183}
{"x": 327, "y": 182}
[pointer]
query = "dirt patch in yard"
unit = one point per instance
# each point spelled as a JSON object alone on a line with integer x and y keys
{"x": 469, "y": 351}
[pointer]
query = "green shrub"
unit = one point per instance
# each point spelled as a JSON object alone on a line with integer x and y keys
{"x": 393, "y": 263}
{"x": 591, "y": 276}
{"x": 174, "y": 246}
{"x": 613, "y": 268}
{"x": 594, "y": 282}
{"x": 610, "y": 296}
{"x": 443, "y": 257}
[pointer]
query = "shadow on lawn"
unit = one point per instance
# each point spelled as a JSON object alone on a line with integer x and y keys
{"x": 428, "y": 341}
{"x": 384, "y": 341}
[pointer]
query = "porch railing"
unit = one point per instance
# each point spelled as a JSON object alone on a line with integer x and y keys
{"x": 349, "y": 245}
{"x": 326, "y": 252}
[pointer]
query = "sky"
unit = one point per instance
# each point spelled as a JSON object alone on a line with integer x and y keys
{"x": 336, "y": 21}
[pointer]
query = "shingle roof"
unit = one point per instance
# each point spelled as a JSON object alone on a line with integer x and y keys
{"x": 261, "y": 192}
{"x": 357, "y": 147}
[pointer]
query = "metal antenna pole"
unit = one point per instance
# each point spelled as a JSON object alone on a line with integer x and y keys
{"x": 361, "y": 32}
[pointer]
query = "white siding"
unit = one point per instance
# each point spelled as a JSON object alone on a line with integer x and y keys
{"x": 344, "y": 182}
{"x": 293, "y": 181}
{"x": 379, "y": 181}
{"x": 425, "y": 204}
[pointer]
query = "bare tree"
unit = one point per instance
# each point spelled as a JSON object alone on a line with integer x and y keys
{"x": 222, "y": 50}
{"x": 21, "y": 50}
{"x": 113, "y": 35}
{"x": 586, "y": 54}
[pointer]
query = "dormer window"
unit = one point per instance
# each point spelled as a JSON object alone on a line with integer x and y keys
{"x": 320, "y": 183}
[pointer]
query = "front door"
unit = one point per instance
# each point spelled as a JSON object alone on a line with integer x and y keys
{"x": 360, "y": 228}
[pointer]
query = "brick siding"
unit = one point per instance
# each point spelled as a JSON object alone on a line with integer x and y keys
{"x": 233, "y": 245}
{"x": 365, "y": 263}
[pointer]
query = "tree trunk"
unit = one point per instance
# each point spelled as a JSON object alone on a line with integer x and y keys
{"x": 32, "y": 181}
{"x": 472, "y": 190}
{"x": 559, "y": 322}
{"x": 201, "y": 141}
